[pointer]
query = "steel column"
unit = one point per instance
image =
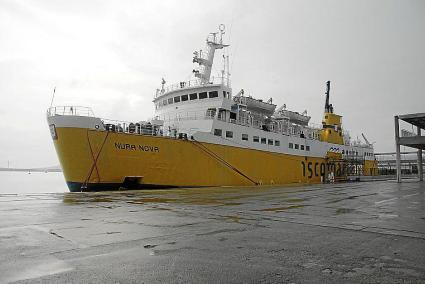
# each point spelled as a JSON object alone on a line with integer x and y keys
{"x": 420, "y": 167}
{"x": 397, "y": 147}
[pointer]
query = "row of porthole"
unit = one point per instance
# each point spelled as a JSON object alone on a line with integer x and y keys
{"x": 299, "y": 147}
{"x": 367, "y": 154}
{"x": 256, "y": 139}
{"x": 245, "y": 137}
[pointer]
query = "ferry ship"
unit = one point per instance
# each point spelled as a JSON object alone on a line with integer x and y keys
{"x": 204, "y": 135}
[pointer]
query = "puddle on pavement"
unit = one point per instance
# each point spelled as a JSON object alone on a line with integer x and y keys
{"x": 235, "y": 219}
{"x": 387, "y": 216}
{"x": 152, "y": 200}
{"x": 281, "y": 209}
{"x": 214, "y": 196}
{"x": 344, "y": 210}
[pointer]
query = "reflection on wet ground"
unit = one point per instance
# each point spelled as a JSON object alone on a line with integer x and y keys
{"x": 358, "y": 232}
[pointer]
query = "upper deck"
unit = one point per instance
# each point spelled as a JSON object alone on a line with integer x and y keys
{"x": 189, "y": 85}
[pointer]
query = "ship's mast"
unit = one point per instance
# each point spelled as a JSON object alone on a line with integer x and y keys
{"x": 214, "y": 41}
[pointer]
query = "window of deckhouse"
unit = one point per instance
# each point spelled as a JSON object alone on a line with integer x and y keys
{"x": 307, "y": 148}
{"x": 218, "y": 132}
{"x": 193, "y": 96}
{"x": 256, "y": 139}
{"x": 177, "y": 99}
{"x": 270, "y": 141}
{"x": 291, "y": 145}
{"x": 229, "y": 134}
{"x": 185, "y": 98}
{"x": 276, "y": 142}
{"x": 297, "y": 146}
{"x": 245, "y": 137}
{"x": 164, "y": 102}
{"x": 302, "y": 147}
{"x": 203, "y": 95}
{"x": 224, "y": 94}
{"x": 213, "y": 94}
{"x": 170, "y": 100}
{"x": 263, "y": 140}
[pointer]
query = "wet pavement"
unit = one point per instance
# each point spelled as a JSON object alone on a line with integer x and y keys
{"x": 368, "y": 232}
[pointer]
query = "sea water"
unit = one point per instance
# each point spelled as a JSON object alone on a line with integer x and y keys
{"x": 34, "y": 182}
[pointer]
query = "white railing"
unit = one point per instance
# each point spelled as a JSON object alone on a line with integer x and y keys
{"x": 70, "y": 110}
{"x": 143, "y": 128}
{"x": 190, "y": 84}
{"x": 146, "y": 128}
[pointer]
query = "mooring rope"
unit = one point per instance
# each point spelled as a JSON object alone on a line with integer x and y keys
{"x": 218, "y": 158}
{"x": 92, "y": 154}
{"x": 84, "y": 185}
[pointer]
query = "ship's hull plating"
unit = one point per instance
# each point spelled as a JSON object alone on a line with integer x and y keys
{"x": 94, "y": 160}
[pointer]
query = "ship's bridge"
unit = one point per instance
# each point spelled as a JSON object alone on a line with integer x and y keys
{"x": 192, "y": 102}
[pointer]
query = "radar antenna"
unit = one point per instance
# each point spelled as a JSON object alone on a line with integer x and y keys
{"x": 205, "y": 62}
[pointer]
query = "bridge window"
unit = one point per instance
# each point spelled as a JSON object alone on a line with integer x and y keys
{"x": 276, "y": 142}
{"x": 297, "y": 146}
{"x": 270, "y": 141}
{"x": 211, "y": 112}
{"x": 307, "y": 148}
{"x": 245, "y": 137}
{"x": 213, "y": 94}
{"x": 256, "y": 139}
{"x": 193, "y": 96}
{"x": 202, "y": 95}
{"x": 263, "y": 140}
{"x": 218, "y": 132}
{"x": 177, "y": 99}
{"x": 185, "y": 98}
{"x": 302, "y": 147}
{"x": 291, "y": 145}
{"x": 170, "y": 100}
{"x": 229, "y": 134}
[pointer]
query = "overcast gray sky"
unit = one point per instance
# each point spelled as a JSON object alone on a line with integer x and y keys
{"x": 111, "y": 55}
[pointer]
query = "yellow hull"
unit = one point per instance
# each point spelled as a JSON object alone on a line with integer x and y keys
{"x": 98, "y": 160}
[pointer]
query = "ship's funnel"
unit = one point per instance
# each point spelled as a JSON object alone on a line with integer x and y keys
{"x": 327, "y": 105}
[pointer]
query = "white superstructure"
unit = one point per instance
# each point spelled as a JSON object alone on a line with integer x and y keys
{"x": 206, "y": 109}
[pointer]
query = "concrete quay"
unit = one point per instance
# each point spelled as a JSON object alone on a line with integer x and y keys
{"x": 365, "y": 232}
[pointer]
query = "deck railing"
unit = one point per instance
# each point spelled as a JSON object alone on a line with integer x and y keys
{"x": 146, "y": 128}
{"x": 190, "y": 84}
{"x": 70, "y": 110}
{"x": 142, "y": 127}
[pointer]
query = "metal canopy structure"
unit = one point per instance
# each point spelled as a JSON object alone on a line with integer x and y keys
{"x": 414, "y": 141}
{"x": 416, "y": 119}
